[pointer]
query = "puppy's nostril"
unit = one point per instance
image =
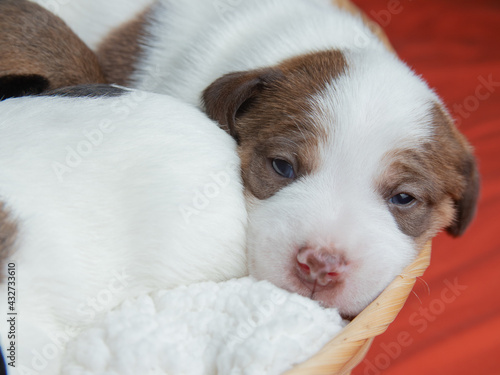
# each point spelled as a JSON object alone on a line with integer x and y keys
{"x": 320, "y": 266}
{"x": 304, "y": 267}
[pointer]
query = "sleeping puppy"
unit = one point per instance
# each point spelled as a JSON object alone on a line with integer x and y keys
{"x": 350, "y": 162}
{"x": 107, "y": 194}
{"x": 40, "y": 52}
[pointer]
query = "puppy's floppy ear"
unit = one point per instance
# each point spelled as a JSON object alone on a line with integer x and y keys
{"x": 15, "y": 85}
{"x": 230, "y": 96}
{"x": 466, "y": 206}
{"x": 458, "y": 169}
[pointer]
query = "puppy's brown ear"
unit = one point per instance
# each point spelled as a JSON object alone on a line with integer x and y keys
{"x": 458, "y": 169}
{"x": 466, "y": 205}
{"x": 228, "y": 98}
{"x": 16, "y": 85}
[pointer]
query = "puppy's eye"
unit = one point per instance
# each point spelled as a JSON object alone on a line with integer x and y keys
{"x": 402, "y": 199}
{"x": 283, "y": 168}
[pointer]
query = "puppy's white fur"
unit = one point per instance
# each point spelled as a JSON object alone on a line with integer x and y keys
{"x": 154, "y": 202}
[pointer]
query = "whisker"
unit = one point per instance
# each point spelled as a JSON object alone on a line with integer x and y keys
{"x": 425, "y": 283}
{"x": 416, "y": 295}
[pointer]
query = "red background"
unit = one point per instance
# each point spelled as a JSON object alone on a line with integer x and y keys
{"x": 452, "y": 44}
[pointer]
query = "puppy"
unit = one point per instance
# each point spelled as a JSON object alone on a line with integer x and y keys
{"x": 350, "y": 162}
{"x": 40, "y": 52}
{"x": 108, "y": 194}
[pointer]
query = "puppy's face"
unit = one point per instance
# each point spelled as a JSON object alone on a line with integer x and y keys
{"x": 350, "y": 166}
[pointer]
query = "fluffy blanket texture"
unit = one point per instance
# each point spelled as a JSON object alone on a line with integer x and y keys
{"x": 238, "y": 327}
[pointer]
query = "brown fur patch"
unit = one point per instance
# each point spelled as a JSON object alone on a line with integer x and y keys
{"x": 33, "y": 41}
{"x": 8, "y": 232}
{"x": 408, "y": 173}
{"x": 120, "y": 51}
{"x": 266, "y": 111}
{"x": 441, "y": 174}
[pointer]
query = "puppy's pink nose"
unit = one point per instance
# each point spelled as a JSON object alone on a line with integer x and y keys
{"x": 320, "y": 265}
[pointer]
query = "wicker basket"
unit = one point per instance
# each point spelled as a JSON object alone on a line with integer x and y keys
{"x": 348, "y": 349}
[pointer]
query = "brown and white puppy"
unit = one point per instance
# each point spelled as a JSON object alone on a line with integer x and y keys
{"x": 40, "y": 52}
{"x": 350, "y": 161}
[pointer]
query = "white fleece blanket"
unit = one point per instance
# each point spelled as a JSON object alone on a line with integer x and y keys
{"x": 237, "y": 327}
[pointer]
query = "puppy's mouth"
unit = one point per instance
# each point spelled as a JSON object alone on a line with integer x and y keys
{"x": 324, "y": 294}
{"x": 314, "y": 288}
{"x": 328, "y": 296}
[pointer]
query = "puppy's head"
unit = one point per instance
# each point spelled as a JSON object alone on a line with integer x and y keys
{"x": 40, "y": 52}
{"x": 350, "y": 163}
